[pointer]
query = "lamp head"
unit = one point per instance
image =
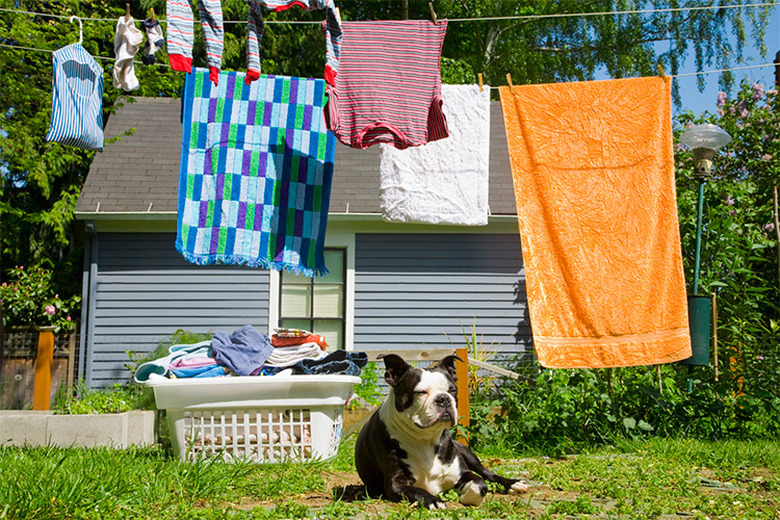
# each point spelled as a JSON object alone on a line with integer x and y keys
{"x": 704, "y": 140}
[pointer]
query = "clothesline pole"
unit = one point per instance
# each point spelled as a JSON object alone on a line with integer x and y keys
{"x": 697, "y": 258}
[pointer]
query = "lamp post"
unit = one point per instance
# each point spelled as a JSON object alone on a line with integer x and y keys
{"x": 704, "y": 140}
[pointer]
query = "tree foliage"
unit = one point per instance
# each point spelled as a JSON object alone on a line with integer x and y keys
{"x": 40, "y": 182}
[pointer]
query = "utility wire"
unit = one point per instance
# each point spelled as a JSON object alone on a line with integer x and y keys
{"x": 478, "y": 19}
{"x": 685, "y": 74}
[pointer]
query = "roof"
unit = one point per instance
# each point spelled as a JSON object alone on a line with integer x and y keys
{"x": 139, "y": 172}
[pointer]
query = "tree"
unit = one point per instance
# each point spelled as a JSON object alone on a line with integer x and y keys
{"x": 740, "y": 260}
{"x": 40, "y": 182}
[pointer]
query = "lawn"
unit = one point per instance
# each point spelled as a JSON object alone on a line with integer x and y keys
{"x": 654, "y": 478}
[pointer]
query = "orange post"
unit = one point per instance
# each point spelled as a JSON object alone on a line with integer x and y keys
{"x": 43, "y": 363}
{"x": 463, "y": 389}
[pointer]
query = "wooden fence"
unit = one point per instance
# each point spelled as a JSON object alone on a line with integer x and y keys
{"x": 17, "y": 367}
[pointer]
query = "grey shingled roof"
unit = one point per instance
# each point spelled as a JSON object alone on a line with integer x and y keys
{"x": 139, "y": 172}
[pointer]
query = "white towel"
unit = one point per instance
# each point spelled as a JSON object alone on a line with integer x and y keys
{"x": 288, "y": 356}
{"x": 127, "y": 41}
{"x": 445, "y": 181}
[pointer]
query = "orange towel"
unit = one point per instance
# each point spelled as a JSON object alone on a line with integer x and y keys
{"x": 594, "y": 182}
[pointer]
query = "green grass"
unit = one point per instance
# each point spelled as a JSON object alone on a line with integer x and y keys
{"x": 632, "y": 480}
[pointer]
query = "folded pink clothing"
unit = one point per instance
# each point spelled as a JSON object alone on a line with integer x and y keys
{"x": 192, "y": 362}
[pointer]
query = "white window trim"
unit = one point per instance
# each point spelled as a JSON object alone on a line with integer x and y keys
{"x": 335, "y": 240}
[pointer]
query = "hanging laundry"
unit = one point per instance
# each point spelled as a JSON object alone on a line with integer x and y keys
{"x": 255, "y": 30}
{"x": 127, "y": 42}
{"x": 255, "y": 176}
{"x": 181, "y": 36}
{"x": 154, "y": 41}
{"x": 593, "y": 170}
{"x": 388, "y": 86}
{"x": 77, "y": 99}
{"x": 446, "y": 181}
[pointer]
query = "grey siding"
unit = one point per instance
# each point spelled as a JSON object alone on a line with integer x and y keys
{"x": 416, "y": 290}
{"x": 145, "y": 291}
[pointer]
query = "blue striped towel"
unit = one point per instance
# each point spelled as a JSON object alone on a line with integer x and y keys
{"x": 256, "y": 170}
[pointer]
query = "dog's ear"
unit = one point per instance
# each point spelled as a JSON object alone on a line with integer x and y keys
{"x": 447, "y": 365}
{"x": 395, "y": 368}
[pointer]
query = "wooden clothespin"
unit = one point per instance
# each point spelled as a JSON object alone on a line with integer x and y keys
{"x": 479, "y": 77}
{"x": 127, "y": 12}
{"x": 509, "y": 80}
{"x": 338, "y": 14}
{"x": 151, "y": 11}
{"x": 433, "y": 14}
{"x": 662, "y": 73}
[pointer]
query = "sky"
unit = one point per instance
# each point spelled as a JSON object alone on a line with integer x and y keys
{"x": 699, "y": 102}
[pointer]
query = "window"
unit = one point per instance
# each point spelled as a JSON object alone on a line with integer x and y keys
{"x": 316, "y": 304}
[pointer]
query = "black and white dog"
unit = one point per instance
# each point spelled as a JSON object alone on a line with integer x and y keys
{"x": 406, "y": 451}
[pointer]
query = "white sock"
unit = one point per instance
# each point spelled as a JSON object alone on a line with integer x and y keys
{"x": 127, "y": 41}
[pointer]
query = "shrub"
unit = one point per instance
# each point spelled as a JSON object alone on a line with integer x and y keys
{"x": 29, "y": 299}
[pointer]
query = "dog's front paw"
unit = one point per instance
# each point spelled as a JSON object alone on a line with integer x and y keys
{"x": 517, "y": 487}
{"x": 432, "y": 503}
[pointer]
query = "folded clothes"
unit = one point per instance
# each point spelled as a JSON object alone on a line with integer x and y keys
{"x": 339, "y": 362}
{"x": 243, "y": 351}
{"x": 288, "y": 356}
{"x": 160, "y": 366}
{"x": 213, "y": 370}
{"x": 192, "y": 362}
{"x": 279, "y": 340}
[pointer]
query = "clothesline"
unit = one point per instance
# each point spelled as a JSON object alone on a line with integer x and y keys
{"x": 684, "y": 74}
{"x": 476, "y": 19}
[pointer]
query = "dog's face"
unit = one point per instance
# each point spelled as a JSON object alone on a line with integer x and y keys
{"x": 425, "y": 398}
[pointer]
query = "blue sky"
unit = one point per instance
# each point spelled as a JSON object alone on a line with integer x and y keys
{"x": 699, "y": 102}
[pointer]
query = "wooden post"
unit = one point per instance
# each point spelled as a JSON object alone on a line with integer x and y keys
{"x": 463, "y": 389}
{"x": 43, "y": 363}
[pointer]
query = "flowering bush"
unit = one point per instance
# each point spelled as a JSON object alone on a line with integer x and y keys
{"x": 29, "y": 300}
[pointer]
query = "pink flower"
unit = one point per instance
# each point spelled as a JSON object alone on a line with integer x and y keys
{"x": 758, "y": 91}
{"x": 67, "y": 318}
{"x": 50, "y": 310}
{"x": 766, "y": 157}
{"x": 721, "y": 99}
{"x": 743, "y": 111}
{"x": 769, "y": 227}
{"x": 729, "y": 201}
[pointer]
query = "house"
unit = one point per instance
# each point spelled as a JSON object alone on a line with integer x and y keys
{"x": 391, "y": 286}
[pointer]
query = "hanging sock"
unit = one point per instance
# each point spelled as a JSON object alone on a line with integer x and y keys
{"x": 181, "y": 36}
{"x": 255, "y": 28}
{"x": 154, "y": 41}
{"x": 127, "y": 42}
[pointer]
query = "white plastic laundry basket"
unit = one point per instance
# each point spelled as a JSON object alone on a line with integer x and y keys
{"x": 257, "y": 418}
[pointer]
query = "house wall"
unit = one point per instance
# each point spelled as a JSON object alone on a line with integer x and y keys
{"x": 145, "y": 291}
{"x": 411, "y": 290}
{"x": 425, "y": 290}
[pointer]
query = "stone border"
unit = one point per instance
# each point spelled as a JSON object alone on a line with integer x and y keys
{"x": 43, "y": 428}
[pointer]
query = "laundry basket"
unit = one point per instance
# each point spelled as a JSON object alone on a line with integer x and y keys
{"x": 257, "y": 418}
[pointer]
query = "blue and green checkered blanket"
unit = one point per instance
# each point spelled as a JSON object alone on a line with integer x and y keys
{"x": 256, "y": 170}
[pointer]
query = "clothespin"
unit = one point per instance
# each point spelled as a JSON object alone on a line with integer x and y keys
{"x": 479, "y": 77}
{"x": 338, "y": 14}
{"x": 661, "y": 71}
{"x": 433, "y": 14}
{"x": 509, "y": 80}
{"x": 151, "y": 11}
{"x": 127, "y": 12}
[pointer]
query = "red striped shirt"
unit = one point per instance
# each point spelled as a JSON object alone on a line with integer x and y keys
{"x": 388, "y": 89}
